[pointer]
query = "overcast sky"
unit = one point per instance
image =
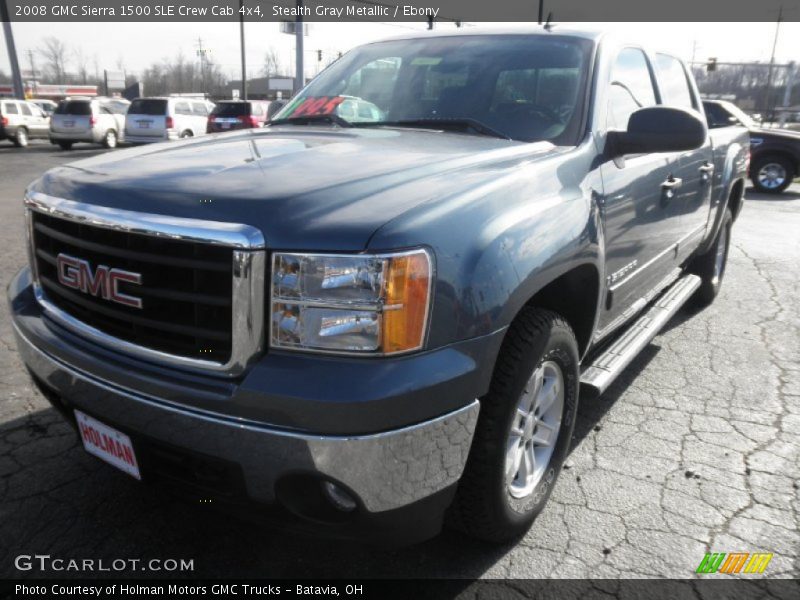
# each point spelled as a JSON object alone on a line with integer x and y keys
{"x": 137, "y": 45}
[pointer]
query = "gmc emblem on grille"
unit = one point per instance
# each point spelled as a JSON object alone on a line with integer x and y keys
{"x": 103, "y": 282}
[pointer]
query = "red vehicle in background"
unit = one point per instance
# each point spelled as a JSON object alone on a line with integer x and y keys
{"x": 237, "y": 114}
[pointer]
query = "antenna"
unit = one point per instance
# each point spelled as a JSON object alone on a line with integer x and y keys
{"x": 548, "y": 25}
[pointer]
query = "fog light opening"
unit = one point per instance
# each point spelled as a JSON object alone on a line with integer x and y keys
{"x": 338, "y": 497}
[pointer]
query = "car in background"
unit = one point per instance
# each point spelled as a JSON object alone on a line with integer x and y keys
{"x": 90, "y": 120}
{"x": 47, "y": 106}
{"x": 166, "y": 118}
{"x": 21, "y": 121}
{"x": 774, "y": 153}
{"x": 237, "y": 114}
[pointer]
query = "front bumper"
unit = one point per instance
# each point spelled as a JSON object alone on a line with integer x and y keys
{"x": 385, "y": 471}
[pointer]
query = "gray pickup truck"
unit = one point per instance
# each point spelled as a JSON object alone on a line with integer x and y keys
{"x": 370, "y": 321}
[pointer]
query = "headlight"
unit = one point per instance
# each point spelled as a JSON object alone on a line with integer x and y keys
{"x": 371, "y": 304}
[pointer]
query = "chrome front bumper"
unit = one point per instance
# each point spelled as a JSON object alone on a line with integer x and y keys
{"x": 386, "y": 470}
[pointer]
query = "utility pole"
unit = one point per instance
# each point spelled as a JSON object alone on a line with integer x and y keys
{"x": 541, "y": 11}
{"x": 19, "y": 90}
{"x": 299, "y": 73}
{"x": 771, "y": 113}
{"x": 33, "y": 73}
{"x": 201, "y": 52}
{"x": 244, "y": 62}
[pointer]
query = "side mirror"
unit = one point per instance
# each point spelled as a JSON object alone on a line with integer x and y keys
{"x": 658, "y": 129}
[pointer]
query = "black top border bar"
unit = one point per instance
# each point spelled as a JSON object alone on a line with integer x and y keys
{"x": 440, "y": 11}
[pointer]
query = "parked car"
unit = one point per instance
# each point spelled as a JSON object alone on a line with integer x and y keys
{"x": 160, "y": 119}
{"x": 365, "y": 326}
{"x": 47, "y": 106}
{"x": 21, "y": 121}
{"x": 92, "y": 120}
{"x": 237, "y": 114}
{"x": 775, "y": 153}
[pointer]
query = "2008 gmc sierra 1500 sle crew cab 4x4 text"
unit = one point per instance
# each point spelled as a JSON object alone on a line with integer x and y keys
{"x": 377, "y": 320}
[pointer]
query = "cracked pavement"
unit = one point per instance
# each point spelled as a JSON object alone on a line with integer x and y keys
{"x": 693, "y": 449}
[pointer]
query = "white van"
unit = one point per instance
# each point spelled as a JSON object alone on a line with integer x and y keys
{"x": 161, "y": 119}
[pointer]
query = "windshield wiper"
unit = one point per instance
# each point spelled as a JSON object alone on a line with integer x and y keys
{"x": 446, "y": 123}
{"x": 312, "y": 119}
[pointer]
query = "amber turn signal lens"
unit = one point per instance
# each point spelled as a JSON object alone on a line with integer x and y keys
{"x": 408, "y": 284}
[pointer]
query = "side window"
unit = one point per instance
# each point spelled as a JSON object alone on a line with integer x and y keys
{"x": 672, "y": 82}
{"x": 198, "y": 108}
{"x": 182, "y": 108}
{"x": 630, "y": 88}
{"x": 11, "y": 108}
{"x": 26, "y": 110}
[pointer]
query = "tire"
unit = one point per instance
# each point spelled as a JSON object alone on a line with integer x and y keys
{"x": 772, "y": 174}
{"x": 21, "y": 138}
{"x": 110, "y": 139}
{"x": 494, "y": 501}
{"x": 65, "y": 145}
{"x": 710, "y": 267}
{"x": 186, "y": 134}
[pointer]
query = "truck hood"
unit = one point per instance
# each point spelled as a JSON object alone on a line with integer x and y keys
{"x": 316, "y": 188}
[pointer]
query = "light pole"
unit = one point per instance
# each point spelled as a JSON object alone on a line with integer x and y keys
{"x": 299, "y": 75}
{"x": 244, "y": 62}
{"x": 19, "y": 90}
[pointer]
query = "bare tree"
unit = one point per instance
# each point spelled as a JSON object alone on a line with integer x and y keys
{"x": 4, "y": 77}
{"x": 81, "y": 65}
{"x": 54, "y": 52}
{"x": 272, "y": 63}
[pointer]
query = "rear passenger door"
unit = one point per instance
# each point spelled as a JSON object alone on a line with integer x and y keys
{"x": 638, "y": 216}
{"x": 695, "y": 168}
{"x": 35, "y": 120}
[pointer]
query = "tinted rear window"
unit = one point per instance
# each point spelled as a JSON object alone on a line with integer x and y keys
{"x": 10, "y": 109}
{"x": 74, "y": 107}
{"x": 231, "y": 109}
{"x": 148, "y": 107}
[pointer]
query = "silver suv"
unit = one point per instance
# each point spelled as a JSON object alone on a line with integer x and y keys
{"x": 21, "y": 121}
{"x": 161, "y": 119}
{"x": 92, "y": 120}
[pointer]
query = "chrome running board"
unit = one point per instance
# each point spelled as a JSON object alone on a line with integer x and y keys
{"x": 606, "y": 367}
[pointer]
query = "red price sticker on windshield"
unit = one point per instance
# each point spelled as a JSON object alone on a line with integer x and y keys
{"x": 322, "y": 105}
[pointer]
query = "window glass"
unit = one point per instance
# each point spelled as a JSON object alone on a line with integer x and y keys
{"x": 74, "y": 107}
{"x": 630, "y": 88}
{"x": 26, "y": 110}
{"x": 198, "y": 108}
{"x": 148, "y": 106}
{"x": 182, "y": 108}
{"x": 11, "y": 108}
{"x": 231, "y": 109}
{"x": 672, "y": 82}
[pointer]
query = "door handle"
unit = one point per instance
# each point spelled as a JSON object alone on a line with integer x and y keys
{"x": 706, "y": 170}
{"x": 670, "y": 185}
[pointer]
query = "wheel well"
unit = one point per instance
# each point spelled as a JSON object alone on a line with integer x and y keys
{"x": 735, "y": 199}
{"x": 574, "y": 296}
{"x": 777, "y": 153}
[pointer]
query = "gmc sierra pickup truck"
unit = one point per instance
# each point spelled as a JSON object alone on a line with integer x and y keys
{"x": 374, "y": 320}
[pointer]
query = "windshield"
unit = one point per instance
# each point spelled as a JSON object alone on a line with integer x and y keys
{"x": 525, "y": 87}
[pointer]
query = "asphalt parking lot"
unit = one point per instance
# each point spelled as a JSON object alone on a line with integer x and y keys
{"x": 696, "y": 448}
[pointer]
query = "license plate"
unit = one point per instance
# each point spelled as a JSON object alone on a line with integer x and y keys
{"x": 69, "y": 123}
{"x": 108, "y": 444}
{"x": 143, "y": 124}
{"x": 225, "y": 125}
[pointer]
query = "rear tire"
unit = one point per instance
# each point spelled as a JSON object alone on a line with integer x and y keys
{"x": 710, "y": 267}
{"x": 772, "y": 174}
{"x": 186, "y": 134}
{"x": 110, "y": 139}
{"x": 65, "y": 145}
{"x": 21, "y": 138}
{"x": 497, "y": 498}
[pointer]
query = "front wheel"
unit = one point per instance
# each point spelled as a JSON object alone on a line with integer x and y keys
{"x": 710, "y": 267}
{"x": 21, "y": 139}
{"x": 524, "y": 429}
{"x": 110, "y": 139}
{"x": 772, "y": 174}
